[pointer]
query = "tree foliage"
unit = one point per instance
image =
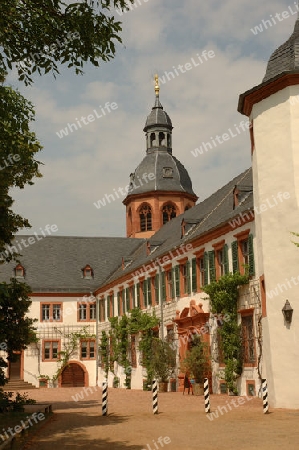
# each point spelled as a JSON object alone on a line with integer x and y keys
{"x": 163, "y": 359}
{"x": 38, "y": 35}
{"x": 16, "y": 330}
{"x": 18, "y": 166}
{"x": 224, "y": 295}
{"x": 116, "y": 348}
{"x": 196, "y": 361}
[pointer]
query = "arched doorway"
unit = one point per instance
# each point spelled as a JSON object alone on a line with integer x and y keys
{"x": 191, "y": 321}
{"x": 74, "y": 375}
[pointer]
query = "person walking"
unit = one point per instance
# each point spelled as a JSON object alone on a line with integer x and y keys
{"x": 187, "y": 384}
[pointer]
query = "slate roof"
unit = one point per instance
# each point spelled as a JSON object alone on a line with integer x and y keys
{"x": 158, "y": 117}
{"x": 284, "y": 60}
{"x": 54, "y": 263}
{"x": 286, "y": 57}
{"x": 156, "y": 163}
{"x": 206, "y": 216}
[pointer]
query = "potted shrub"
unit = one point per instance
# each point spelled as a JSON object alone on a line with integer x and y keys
{"x": 116, "y": 381}
{"x": 163, "y": 362}
{"x": 197, "y": 363}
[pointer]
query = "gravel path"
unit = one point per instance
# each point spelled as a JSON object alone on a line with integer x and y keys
{"x": 131, "y": 425}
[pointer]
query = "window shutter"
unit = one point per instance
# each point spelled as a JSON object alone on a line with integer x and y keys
{"x": 100, "y": 311}
{"x": 225, "y": 259}
{"x": 177, "y": 281}
{"x": 134, "y": 296}
{"x": 235, "y": 256}
{"x": 144, "y": 291}
{"x": 123, "y": 295}
{"x": 194, "y": 279}
{"x": 108, "y": 306}
{"x": 118, "y": 304}
{"x": 212, "y": 270}
{"x": 188, "y": 277}
{"x": 149, "y": 291}
{"x": 112, "y": 305}
{"x": 127, "y": 300}
{"x": 206, "y": 267}
{"x": 173, "y": 283}
{"x": 138, "y": 295}
{"x": 163, "y": 287}
{"x": 251, "y": 255}
{"x": 157, "y": 288}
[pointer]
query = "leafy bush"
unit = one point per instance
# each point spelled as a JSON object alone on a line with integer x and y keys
{"x": 7, "y": 404}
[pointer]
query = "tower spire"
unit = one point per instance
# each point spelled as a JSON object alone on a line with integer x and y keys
{"x": 157, "y": 87}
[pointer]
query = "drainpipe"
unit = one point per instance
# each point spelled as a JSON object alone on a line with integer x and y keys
{"x": 161, "y": 303}
{"x": 97, "y": 341}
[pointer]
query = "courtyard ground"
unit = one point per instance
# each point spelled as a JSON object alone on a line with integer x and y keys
{"x": 131, "y": 425}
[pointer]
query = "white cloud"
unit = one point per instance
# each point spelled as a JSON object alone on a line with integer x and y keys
{"x": 92, "y": 161}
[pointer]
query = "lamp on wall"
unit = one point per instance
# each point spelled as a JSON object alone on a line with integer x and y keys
{"x": 287, "y": 312}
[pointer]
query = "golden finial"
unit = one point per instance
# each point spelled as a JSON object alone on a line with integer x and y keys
{"x": 157, "y": 87}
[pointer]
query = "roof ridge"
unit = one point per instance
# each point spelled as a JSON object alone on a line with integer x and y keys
{"x": 196, "y": 228}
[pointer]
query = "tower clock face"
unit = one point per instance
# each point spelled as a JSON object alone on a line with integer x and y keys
{"x": 167, "y": 172}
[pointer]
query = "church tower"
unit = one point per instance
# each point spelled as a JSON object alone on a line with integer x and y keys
{"x": 160, "y": 188}
{"x": 273, "y": 111}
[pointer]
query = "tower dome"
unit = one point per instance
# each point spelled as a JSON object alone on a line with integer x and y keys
{"x": 160, "y": 179}
{"x": 157, "y": 116}
{"x": 285, "y": 59}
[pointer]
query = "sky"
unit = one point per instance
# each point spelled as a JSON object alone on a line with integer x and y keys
{"x": 158, "y": 36}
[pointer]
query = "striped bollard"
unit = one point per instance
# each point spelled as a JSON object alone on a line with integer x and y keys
{"x": 105, "y": 399}
{"x": 155, "y": 397}
{"x": 206, "y": 395}
{"x": 265, "y": 396}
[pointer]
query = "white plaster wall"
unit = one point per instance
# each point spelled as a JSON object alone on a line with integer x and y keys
{"x": 169, "y": 313}
{"x": 276, "y": 169}
{"x": 33, "y": 364}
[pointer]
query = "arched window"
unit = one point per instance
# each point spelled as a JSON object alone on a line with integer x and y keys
{"x": 161, "y": 139}
{"x": 187, "y": 207}
{"x": 168, "y": 212}
{"x": 168, "y": 140}
{"x": 152, "y": 139}
{"x": 145, "y": 214}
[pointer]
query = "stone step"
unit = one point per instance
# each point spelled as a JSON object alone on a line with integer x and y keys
{"x": 18, "y": 385}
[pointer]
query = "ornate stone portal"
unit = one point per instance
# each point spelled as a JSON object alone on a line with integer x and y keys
{"x": 191, "y": 321}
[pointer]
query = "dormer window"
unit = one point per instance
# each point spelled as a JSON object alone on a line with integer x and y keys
{"x": 87, "y": 272}
{"x": 187, "y": 226}
{"x": 126, "y": 262}
{"x": 19, "y": 271}
{"x": 152, "y": 246}
{"x": 241, "y": 193}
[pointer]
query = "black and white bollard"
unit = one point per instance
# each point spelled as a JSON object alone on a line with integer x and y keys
{"x": 105, "y": 399}
{"x": 265, "y": 396}
{"x": 206, "y": 394}
{"x": 155, "y": 397}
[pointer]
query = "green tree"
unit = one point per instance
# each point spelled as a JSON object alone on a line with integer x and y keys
{"x": 38, "y": 35}
{"x": 18, "y": 167}
{"x": 196, "y": 361}
{"x": 163, "y": 359}
{"x": 224, "y": 294}
{"x": 16, "y": 330}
